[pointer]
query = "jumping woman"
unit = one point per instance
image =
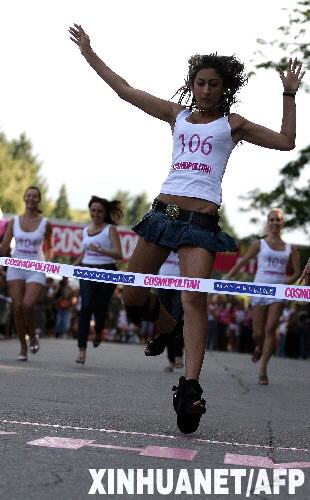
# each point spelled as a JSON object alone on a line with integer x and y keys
{"x": 184, "y": 216}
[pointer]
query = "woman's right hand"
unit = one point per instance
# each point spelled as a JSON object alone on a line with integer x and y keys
{"x": 80, "y": 38}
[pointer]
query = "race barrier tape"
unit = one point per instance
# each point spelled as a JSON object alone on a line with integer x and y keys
{"x": 286, "y": 292}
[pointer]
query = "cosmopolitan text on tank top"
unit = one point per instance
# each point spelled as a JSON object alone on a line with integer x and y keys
{"x": 199, "y": 158}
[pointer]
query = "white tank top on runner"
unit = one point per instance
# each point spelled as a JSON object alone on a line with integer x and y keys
{"x": 272, "y": 264}
{"x": 103, "y": 240}
{"x": 28, "y": 245}
{"x": 199, "y": 158}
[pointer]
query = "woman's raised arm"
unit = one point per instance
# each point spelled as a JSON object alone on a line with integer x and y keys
{"x": 267, "y": 138}
{"x": 159, "y": 108}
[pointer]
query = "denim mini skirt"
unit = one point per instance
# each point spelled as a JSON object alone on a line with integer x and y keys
{"x": 160, "y": 229}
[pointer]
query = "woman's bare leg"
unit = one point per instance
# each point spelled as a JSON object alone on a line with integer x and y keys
{"x": 147, "y": 259}
{"x": 33, "y": 293}
{"x": 16, "y": 291}
{"x": 195, "y": 263}
{"x": 273, "y": 317}
{"x": 259, "y": 322}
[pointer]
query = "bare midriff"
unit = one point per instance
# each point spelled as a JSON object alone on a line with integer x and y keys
{"x": 187, "y": 203}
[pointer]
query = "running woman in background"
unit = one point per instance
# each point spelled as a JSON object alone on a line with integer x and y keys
{"x": 273, "y": 256}
{"x": 184, "y": 216}
{"x": 31, "y": 232}
{"x": 101, "y": 248}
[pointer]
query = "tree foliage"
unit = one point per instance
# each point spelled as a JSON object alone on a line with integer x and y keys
{"x": 293, "y": 40}
{"x": 19, "y": 168}
{"x": 294, "y": 200}
{"x": 134, "y": 207}
{"x": 62, "y": 209}
{"x": 292, "y": 193}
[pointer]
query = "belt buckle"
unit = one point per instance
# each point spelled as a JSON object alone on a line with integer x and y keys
{"x": 172, "y": 210}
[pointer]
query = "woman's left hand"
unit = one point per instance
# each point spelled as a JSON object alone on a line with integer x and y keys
{"x": 293, "y": 77}
{"x": 95, "y": 248}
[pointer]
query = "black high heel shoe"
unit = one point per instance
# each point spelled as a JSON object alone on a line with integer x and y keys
{"x": 188, "y": 405}
{"x": 154, "y": 347}
{"x": 81, "y": 357}
{"x": 34, "y": 344}
{"x": 97, "y": 340}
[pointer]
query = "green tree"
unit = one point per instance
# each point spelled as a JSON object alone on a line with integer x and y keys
{"x": 62, "y": 209}
{"x": 134, "y": 207}
{"x": 139, "y": 205}
{"x": 125, "y": 199}
{"x": 292, "y": 193}
{"x": 19, "y": 169}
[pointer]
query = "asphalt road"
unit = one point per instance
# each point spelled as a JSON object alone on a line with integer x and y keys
{"x": 59, "y": 419}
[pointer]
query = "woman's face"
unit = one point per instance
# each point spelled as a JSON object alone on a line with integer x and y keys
{"x": 32, "y": 198}
{"x": 275, "y": 221}
{"x": 97, "y": 213}
{"x": 208, "y": 88}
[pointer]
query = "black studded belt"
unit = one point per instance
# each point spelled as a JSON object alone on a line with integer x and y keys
{"x": 210, "y": 221}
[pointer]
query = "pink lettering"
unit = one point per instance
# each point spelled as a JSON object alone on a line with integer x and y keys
{"x": 205, "y": 146}
{"x": 190, "y": 145}
{"x": 183, "y": 143}
{"x": 297, "y": 293}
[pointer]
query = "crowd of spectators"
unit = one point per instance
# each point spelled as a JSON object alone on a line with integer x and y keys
{"x": 230, "y": 320}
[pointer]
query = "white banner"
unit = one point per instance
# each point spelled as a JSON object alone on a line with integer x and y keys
{"x": 287, "y": 292}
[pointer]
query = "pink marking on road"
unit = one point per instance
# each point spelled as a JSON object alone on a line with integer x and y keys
{"x": 163, "y": 436}
{"x": 163, "y": 452}
{"x": 126, "y": 448}
{"x": 261, "y": 462}
{"x": 149, "y": 451}
{"x": 248, "y": 460}
{"x": 56, "y": 442}
{"x": 293, "y": 465}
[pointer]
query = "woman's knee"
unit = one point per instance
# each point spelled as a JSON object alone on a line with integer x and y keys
{"x": 270, "y": 330}
{"x": 145, "y": 307}
{"x": 18, "y": 307}
{"x": 194, "y": 300}
{"x": 28, "y": 306}
{"x": 134, "y": 296}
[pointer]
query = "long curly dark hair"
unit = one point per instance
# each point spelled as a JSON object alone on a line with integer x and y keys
{"x": 230, "y": 69}
{"x": 113, "y": 209}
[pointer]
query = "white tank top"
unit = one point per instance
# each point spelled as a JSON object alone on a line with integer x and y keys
{"x": 199, "y": 158}
{"x": 272, "y": 264}
{"x": 102, "y": 239}
{"x": 28, "y": 245}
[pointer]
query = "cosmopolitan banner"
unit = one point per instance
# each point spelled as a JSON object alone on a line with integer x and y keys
{"x": 286, "y": 292}
{"x": 67, "y": 241}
